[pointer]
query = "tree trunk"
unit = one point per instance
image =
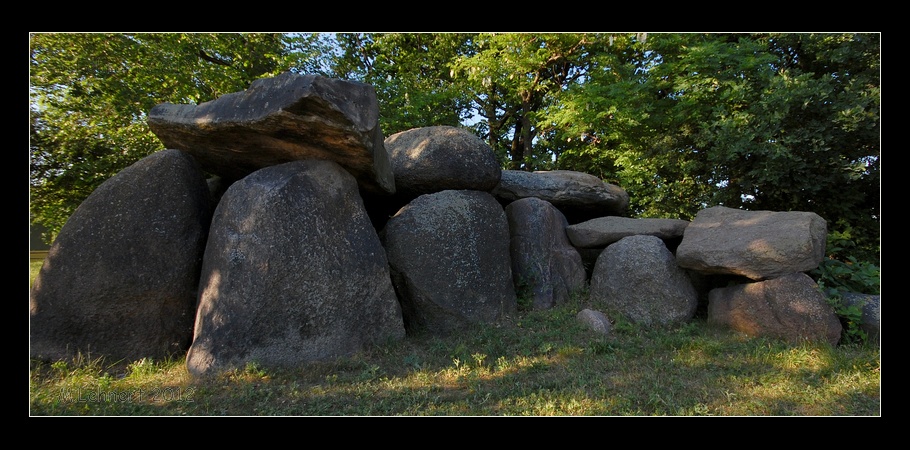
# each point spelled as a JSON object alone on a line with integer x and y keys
{"x": 517, "y": 150}
{"x": 523, "y": 137}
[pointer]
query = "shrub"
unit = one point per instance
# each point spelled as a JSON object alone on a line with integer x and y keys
{"x": 839, "y": 274}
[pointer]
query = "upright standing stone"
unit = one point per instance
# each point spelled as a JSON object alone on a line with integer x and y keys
{"x": 449, "y": 259}
{"x": 120, "y": 280}
{"x": 544, "y": 263}
{"x": 293, "y": 273}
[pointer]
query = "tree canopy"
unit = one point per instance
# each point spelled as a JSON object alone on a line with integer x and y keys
{"x": 89, "y": 94}
{"x": 681, "y": 121}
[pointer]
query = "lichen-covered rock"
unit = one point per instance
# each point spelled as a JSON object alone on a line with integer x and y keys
{"x": 580, "y": 196}
{"x": 755, "y": 244}
{"x": 293, "y": 273}
{"x": 120, "y": 280}
{"x": 603, "y": 231}
{"x": 433, "y": 159}
{"x": 285, "y": 118}
{"x": 450, "y": 263}
{"x": 637, "y": 277}
{"x": 595, "y": 321}
{"x": 545, "y": 266}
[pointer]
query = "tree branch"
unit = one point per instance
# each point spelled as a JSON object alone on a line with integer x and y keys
{"x": 202, "y": 54}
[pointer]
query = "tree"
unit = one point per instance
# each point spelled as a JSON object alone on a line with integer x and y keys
{"x": 776, "y": 122}
{"x": 680, "y": 121}
{"x": 89, "y": 94}
{"x": 828, "y": 132}
{"x": 411, "y": 75}
{"x": 513, "y": 78}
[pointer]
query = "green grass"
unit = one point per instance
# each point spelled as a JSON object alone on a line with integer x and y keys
{"x": 543, "y": 363}
{"x": 33, "y": 268}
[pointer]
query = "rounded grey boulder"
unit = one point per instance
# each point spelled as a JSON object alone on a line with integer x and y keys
{"x": 433, "y": 159}
{"x": 637, "y": 278}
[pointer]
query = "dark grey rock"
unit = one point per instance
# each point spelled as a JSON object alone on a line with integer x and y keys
{"x": 281, "y": 119}
{"x": 578, "y": 195}
{"x": 432, "y": 159}
{"x": 544, "y": 263}
{"x": 871, "y": 306}
{"x": 120, "y": 280}
{"x": 293, "y": 273}
{"x": 450, "y": 263}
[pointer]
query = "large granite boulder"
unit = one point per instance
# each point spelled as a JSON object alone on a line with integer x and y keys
{"x": 578, "y": 195}
{"x": 293, "y": 273}
{"x": 755, "y": 244}
{"x": 637, "y": 278}
{"x": 544, "y": 264}
{"x": 603, "y": 231}
{"x": 450, "y": 263}
{"x": 281, "y": 119}
{"x": 432, "y": 159}
{"x": 120, "y": 280}
{"x": 789, "y": 307}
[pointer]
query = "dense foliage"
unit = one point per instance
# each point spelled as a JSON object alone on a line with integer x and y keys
{"x": 680, "y": 121}
{"x": 89, "y": 95}
{"x": 842, "y": 273}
